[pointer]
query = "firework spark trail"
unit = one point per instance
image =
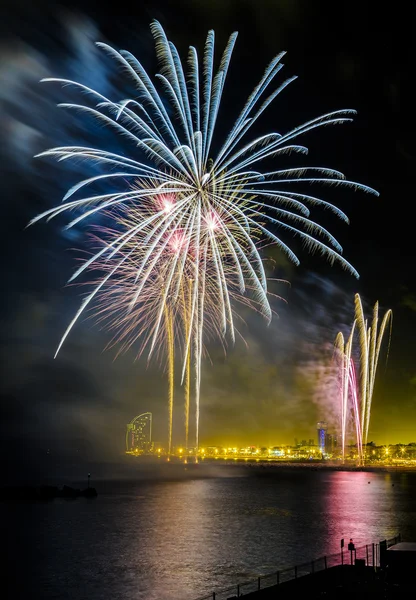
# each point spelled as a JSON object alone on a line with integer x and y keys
{"x": 344, "y": 356}
{"x": 187, "y": 312}
{"x": 352, "y": 381}
{"x": 358, "y": 395}
{"x": 171, "y": 372}
{"x": 370, "y": 345}
{"x": 187, "y": 214}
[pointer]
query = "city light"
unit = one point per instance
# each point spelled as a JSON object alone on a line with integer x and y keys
{"x": 325, "y": 449}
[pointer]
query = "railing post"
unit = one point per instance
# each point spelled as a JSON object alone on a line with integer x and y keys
{"x": 326, "y": 566}
{"x": 382, "y": 548}
{"x": 372, "y": 552}
{"x": 277, "y": 578}
{"x": 296, "y": 572}
{"x": 238, "y": 590}
{"x": 213, "y": 595}
{"x": 366, "y": 553}
{"x": 258, "y": 583}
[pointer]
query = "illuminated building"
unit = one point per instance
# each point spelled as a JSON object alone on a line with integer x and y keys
{"x": 321, "y": 430}
{"x": 139, "y": 434}
{"x": 276, "y": 451}
{"x": 331, "y": 443}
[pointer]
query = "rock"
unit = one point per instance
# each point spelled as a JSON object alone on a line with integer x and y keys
{"x": 89, "y": 493}
{"x": 44, "y": 493}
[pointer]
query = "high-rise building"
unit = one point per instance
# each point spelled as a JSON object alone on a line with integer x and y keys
{"x": 331, "y": 443}
{"x": 139, "y": 434}
{"x": 321, "y": 428}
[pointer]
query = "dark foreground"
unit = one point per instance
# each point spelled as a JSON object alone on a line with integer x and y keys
{"x": 342, "y": 582}
{"x": 174, "y": 535}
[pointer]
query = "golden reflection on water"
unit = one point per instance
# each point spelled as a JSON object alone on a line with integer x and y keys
{"x": 182, "y": 535}
{"x": 179, "y": 540}
{"x": 203, "y": 529}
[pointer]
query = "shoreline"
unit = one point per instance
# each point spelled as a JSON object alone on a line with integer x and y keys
{"x": 274, "y": 464}
{"x": 153, "y": 469}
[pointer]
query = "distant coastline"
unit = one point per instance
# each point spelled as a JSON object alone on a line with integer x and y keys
{"x": 317, "y": 466}
{"x": 153, "y": 469}
{"x": 275, "y": 464}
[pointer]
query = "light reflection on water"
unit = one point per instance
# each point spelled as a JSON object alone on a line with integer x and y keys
{"x": 171, "y": 540}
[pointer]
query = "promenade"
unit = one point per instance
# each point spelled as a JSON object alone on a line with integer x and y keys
{"x": 357, "y": 574}
{"x": 337, "y": 583}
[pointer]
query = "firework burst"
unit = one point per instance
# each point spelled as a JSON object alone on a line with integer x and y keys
{"x": 356, "y": 390}
{"x": 189, "y": 224}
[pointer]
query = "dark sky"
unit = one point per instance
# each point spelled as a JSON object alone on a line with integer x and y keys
{"x": 347, "y": 55}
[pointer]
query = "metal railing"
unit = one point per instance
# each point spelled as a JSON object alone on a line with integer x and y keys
{"x": 368, "y": 555}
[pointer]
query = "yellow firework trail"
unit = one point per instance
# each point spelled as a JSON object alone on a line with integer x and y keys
{"x": 357, "y": 384}
{"x": 187, "y": 313}
{"x": 171, "y": 373}
{"x": 371, "y": 337}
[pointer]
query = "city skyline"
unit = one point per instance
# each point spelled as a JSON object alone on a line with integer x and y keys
{"x": 140, "y": 434}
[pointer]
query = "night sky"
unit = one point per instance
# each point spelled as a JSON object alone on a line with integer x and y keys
{"x": 347, "y": 55}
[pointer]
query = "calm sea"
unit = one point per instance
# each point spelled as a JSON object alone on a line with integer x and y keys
{"x": 176, "y": 535}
